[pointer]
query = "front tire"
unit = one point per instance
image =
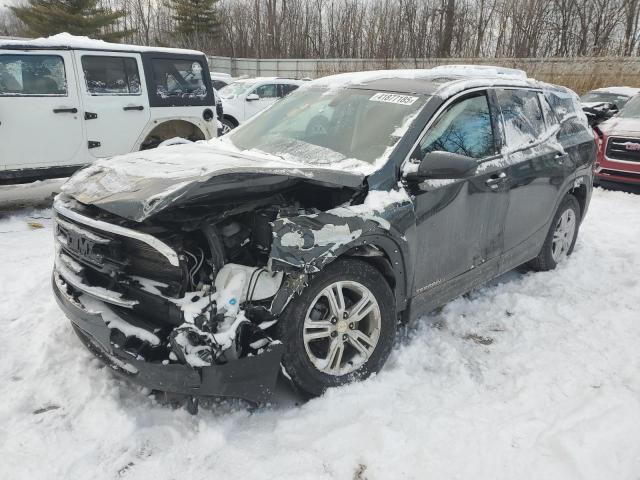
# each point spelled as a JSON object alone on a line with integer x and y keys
{"x": 227, "y": 126}
{"x": 340, "y": 329}
{"x": 562, "y": 235}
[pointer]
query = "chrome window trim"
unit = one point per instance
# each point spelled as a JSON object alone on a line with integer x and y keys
{"x": 150, "y": 240}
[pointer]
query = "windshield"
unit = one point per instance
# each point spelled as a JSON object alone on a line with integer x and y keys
{"x": 593, "y": 97}
{"x": 235, "y": 88}
{"x": 631, "y": 109}
{"x": 353, "y": 127}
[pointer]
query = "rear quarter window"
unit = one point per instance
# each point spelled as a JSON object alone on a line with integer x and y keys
{"x": 522, "y": 115}
{"x": 566, "y": 109}
{"x": 32, "y": 75}
{"x": 177, "y": 81}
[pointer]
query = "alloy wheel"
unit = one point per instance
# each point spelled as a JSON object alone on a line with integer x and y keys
{"x": 341, "y": 328}
{"x": 563, "y": 235}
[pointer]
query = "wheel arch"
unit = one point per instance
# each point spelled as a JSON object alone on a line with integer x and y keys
{"x": 169, "y": 128}
{"x": 384, "y": 254}
{"x": 581, "y": 193}
{"x": 230, "y": 118}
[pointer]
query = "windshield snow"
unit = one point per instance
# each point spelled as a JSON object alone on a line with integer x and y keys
{"x": 235, "y": 88}
{"x": 348, "y": 128}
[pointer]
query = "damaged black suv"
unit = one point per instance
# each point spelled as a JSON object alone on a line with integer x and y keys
{"x": 299, "y": 241}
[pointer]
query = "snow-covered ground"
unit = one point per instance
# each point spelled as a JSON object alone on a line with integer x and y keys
{"x": 534, "y": 377}
{"x": 31, "y": 194}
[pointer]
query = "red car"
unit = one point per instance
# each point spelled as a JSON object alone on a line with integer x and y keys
{"x": 619, "y": 147}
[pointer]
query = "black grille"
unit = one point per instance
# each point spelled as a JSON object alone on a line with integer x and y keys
{"x": 632, "y": 175}
{"x": 108, "y": 252}
{"x": 114, "y": 262}
{"x": 623, "y": 148}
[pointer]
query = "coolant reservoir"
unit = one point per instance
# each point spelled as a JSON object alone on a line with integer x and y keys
{"x": 237, "y": 283}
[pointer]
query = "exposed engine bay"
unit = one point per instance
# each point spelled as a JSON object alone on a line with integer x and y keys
{"x": 215, "y": 301}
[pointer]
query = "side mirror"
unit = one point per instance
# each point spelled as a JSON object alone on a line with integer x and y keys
{"x": 443, "y": 165}
{"x": 252, "y": 96}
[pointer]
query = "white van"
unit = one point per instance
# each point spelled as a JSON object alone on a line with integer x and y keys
{"x": 66, "y": 101}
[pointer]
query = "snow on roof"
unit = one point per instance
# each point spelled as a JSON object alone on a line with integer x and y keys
{"x": 68, "y": 41}
{"x": 479, "y": 71}
{"x": 455, "y": 73}
{"x": 628, "y": 91}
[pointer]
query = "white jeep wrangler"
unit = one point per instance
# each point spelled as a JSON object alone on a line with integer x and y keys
{"x": 66, "y": 101}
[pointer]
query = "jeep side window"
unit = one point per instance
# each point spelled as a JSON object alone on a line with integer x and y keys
{"x": 35, "y": 75}
{"x": 523, "y": 120}
{"x": 111, "y": 75}
{"x": 178, "y": 78}
{"x": 464, "y": 128}
{"x": 267, "y": 91}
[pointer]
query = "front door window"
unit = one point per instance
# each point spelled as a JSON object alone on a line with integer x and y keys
{"x": 464, "y": 128}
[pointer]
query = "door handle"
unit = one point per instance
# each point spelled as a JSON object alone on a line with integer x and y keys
{"x": 496, "y": 180}
{"x": 137, "y": 107}
{"x": 65, "y": 110}
{"x": 561, "y": 157}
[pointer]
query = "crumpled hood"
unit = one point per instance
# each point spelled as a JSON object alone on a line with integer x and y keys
{"x": 621, "y": 126}
{"x": 140, "y": 184}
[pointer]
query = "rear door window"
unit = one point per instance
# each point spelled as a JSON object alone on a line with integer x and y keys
{"x": 464, "y": 128}
{"x": 33, "y": 75}
{"x": 111, "y": 75}
{"x": 549, "y": 116}
{"x": 286, "y": 89}
{"x": 522, "y": 114}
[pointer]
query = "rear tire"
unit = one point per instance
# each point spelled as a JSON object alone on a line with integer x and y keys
{"x": 562, "y": 235}
{"x": 340, "y": 329}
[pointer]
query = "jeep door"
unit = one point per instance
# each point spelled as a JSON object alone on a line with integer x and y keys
{"x": 460, "y": 221}
{"x": 537, "y": 172}
{"x": 40, "y": 117}
{"x": 116, "y": 107}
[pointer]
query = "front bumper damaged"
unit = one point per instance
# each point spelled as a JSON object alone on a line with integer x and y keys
{"x": 251, "y": 378}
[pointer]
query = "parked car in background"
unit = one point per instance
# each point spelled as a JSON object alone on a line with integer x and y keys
{"x": 220, "y": 80}
{"x": 209, "y": 268}
{"x": 619, "y": 150}
{"x": 66, "y": 101}
{"x": 603, "y": 103}
{"x": 244, "y": 98}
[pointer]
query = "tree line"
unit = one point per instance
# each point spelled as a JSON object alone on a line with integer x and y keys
{"x": 383, "y": 29}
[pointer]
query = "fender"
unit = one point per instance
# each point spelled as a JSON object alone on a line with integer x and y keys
{"x": 308, "y": 243}
{"x": 199, "y": 123}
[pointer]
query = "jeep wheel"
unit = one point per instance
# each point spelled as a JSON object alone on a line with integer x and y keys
{"x": 341, "y": 328}
{"x": 561, "y": 237}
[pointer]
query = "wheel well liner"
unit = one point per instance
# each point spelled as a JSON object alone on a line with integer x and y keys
{"x": 580, "y": 192}
{"x": 231, "y": 119}
{"x": 170, "y": 129}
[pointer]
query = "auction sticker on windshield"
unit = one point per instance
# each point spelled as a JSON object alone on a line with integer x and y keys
{"x": 393, "y": 98}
